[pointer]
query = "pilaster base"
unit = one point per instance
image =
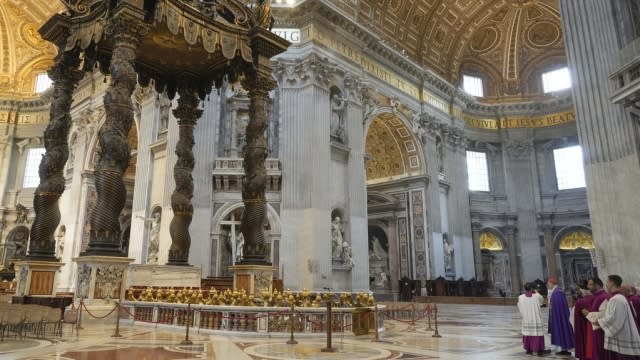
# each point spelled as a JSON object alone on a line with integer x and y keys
{"x": 254, "y": 279}
{"x": 164, "y": 276}
{"x": 36, "y": 277}
{"x": 101, "y": 279}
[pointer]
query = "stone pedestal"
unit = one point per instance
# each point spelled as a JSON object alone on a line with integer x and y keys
{"x": 36, "y": 277}
{"x": 164, "y": 275}
{"x": 254, "y": 279}
{"x": 101, "y": 278}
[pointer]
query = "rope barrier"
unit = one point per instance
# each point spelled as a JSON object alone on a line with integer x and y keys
{"x": 98, "y": 317}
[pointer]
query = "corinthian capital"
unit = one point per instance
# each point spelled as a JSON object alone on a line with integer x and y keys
{"x": 311, "y": 70}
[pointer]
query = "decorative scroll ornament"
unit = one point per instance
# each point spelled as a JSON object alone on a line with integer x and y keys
{"x": 577, "y": 240}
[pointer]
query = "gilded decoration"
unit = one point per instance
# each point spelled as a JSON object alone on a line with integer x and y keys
{"x": 577, "y": 240}
{"x": 501, "y": 38}
{"x": 489, "y": 241}
{"x": 392, "y": 148}
{"x": 23, "y": 53}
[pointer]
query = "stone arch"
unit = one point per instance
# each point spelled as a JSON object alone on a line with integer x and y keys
{"x": 218, "y": 240}
{"x": 576, "y": 263}
{"x": 395, "y": 150}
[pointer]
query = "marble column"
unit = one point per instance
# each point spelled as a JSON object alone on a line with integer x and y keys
{"x": 514, "y": 258}
{"x": 187, "y": 114}
{"x": 607, "y": 135}
{"x": 126, "y": 32}
{"x": 65, "y": 76}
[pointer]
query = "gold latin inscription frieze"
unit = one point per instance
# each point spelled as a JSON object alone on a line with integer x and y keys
{"x": 522, "y": 122}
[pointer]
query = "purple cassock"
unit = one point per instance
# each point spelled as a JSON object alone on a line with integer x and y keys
{"x": 559, "y": 324}
{"x": 599, "y": 297}
{"x": 582, "y": 328}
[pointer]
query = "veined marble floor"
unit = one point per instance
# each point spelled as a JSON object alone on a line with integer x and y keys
{"x": 468, "y": 332}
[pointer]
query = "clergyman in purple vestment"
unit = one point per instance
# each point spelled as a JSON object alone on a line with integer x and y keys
{"x": 599, "y": 296}
{"x": 559, "y": 323}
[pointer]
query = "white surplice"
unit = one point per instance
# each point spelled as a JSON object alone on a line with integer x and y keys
{"x": 529, "y": 307}
{"x": 620, "y": 331}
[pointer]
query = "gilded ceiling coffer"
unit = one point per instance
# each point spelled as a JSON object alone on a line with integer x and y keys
{"x": 185, "y": 47}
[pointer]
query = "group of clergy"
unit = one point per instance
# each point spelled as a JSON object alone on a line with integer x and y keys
{"x": 606, "y": 324}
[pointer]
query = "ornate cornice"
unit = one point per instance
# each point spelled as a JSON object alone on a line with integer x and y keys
{"x": 518, "y": 149}
{"x": 311, "y": 70}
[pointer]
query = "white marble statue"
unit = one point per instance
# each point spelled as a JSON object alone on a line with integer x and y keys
{"x": 382, "y": 280}
{"x": 239, "y": 246}
{"x": 337, "y": 115}
{"x": 347, "y": 258}
{"x": 154, "y": 239}
{"x": 62, "y": 231}
{"x": 336, "y": 238}
{"x": 448, "y": 253}
{"x": 378, "y": 251}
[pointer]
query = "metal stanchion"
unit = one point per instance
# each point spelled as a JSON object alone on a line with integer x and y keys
{"x": 186, "y": 340}
{"x": 291, "y": 341}
{"x": 117, "y": 333}
{"x": 375, "y": 316}
{"x": 329, "y": 329}
{"x": 79, "y": 323}
{"x": 436, "y": 334}
{"x": 429, "y": 312}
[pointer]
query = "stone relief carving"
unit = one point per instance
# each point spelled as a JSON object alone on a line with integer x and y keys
{"x": 109, "y": 278}
{"x": 24, "y": 271}
{"x": 84, "y": 280}
{"x": 518, "y": 149}
{"x": 262, "y": 281}
{"x": 312, "y": 70}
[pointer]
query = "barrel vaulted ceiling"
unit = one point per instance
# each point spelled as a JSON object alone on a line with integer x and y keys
{"x": 507, "y": 41}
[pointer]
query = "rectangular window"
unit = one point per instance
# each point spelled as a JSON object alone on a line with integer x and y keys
{"x": 569, "y": 167}
{"x": 556, "y": 80}
{"x": 31, "y": 178}
{"x": 473, "y": 85}
{"x": 478, "y": 171}
{"x": 43, "y": 83}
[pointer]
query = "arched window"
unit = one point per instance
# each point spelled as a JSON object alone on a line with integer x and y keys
{"x": 43, "y": 83}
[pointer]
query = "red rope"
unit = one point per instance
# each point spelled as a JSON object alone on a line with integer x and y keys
{"x": 98, "y": 317}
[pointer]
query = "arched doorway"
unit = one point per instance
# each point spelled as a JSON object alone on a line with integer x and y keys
{"x": 227, "y": 239}
{"x": 396, "y": 202}
{"x": 495, "y": 261}
{"x": 575, "y": 250}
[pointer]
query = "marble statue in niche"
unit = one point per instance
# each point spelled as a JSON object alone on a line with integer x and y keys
{"x": 337, "y": 126}
{"x": 22, "y": 214}
{"x": 440, "y": 154}
{"x": 448, "y": 250}
{"x": 347, "y": 256}
{"x": 154, "y": 238}
{"x": 164, "y": 109}
{"x": 336, "y": 238}
{"x": 379, "y": 279}
{"x": 239, "y": 243}
{"x": 60, "y": 235}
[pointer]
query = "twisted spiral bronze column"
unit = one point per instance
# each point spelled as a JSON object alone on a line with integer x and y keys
{"x": 187, "y": 114}
{"x": 65, "y": 76}
{"x": 255, "y": 180}
{"x": 105, "y": 235}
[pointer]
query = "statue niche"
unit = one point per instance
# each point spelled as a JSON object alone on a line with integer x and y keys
{"x": 378, "y": 259}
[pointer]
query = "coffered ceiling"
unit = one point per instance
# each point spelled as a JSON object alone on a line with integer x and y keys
{"x": 504, "y": 40}
{"x": 23, "y": 53}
